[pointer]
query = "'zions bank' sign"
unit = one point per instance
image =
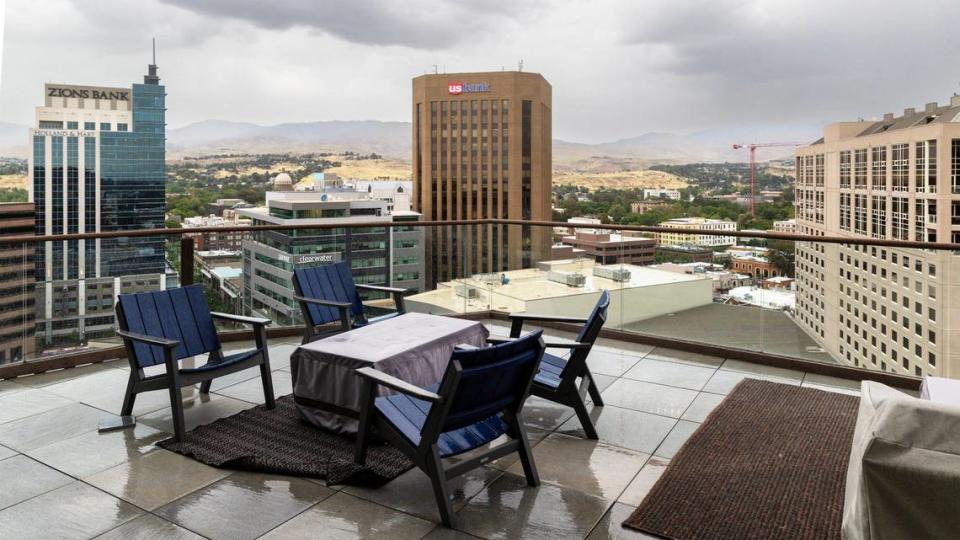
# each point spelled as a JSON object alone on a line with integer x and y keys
{"x": 86, "y": 92}
{"x": 456, "y": 88}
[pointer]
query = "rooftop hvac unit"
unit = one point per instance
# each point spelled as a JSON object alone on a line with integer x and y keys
{"x": 614, "y": 273}
{"x": 465, "y": 291}
{"x": 571, "y": 279}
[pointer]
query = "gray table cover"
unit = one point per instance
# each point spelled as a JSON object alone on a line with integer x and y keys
{"x": 903, "y": 480}
{"x": 414, "y": 347}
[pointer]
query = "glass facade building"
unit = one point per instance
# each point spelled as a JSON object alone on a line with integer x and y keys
{"x": 108, "y": 176}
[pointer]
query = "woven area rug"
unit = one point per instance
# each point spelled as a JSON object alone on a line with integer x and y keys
{"x": 769, "y": 462}
{"x": 279, "y": 441}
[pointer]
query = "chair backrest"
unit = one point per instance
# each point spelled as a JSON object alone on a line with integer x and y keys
{"x": 483, "y": 382}
{"x": 591, "y": 329}
{"x": 181, "y": 314}
{"x": 332, "y": 282}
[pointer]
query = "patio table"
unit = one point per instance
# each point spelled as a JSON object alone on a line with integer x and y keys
{"x": 414, "y": 347}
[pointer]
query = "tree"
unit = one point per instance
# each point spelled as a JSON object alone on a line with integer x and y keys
{"x": 782, "y": 256}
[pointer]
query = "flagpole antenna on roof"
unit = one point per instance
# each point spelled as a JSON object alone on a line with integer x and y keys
{"x": 151, "y": 76}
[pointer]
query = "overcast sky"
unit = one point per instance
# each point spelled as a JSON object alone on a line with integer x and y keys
{"x": 619, "y": 68}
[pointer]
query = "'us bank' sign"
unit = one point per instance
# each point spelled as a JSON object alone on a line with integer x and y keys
{"x": 457, "y": 88}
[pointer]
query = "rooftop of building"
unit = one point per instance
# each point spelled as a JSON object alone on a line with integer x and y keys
{"x": 765, "y": 298}
{"x": 683, "y": 247}
{"x": 535, "y": 284}
{"x": 694, "y": 220}
{"x": 218, "y": 253}
{"x": 62, "y": 478}
{"x": 931, "y": 113}
{"x": 605, "y": 237}
{"x": 228, "y": 272}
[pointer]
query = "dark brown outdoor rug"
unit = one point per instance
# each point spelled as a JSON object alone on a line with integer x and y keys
{"x": 278, "y": 441}
{"x": 769, "y": 462}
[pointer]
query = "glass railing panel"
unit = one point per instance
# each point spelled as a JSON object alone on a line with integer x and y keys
{"x": 879, "y": 308}
{"x": 17, "y": 304}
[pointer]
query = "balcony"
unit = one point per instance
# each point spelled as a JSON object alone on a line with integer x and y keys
{"x": 63, "y": 479}
{"x": 678, "y": 339}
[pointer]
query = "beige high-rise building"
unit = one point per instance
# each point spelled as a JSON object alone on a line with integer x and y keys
{"x": 898, "y": 178}
{"x": 482, "y": 150}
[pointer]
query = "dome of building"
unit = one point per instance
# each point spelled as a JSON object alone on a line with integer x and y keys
{"x": 282, "y": 182}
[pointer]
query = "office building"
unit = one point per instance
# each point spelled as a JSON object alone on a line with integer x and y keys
{"x": 17, "y": 297}
{"x": 785, "y": 226}
{"x": 217, "y": 240}
{"x": 897, "y": 178}
{"x": 702, "y": 240}
{"x": 684, "y": 254}
{"x": 661, "y": 193}
{"x": 642, "y": 207}
{"x": 482, "y": 150}
{"x": 97, "y": 165}
{"x": 218, "y": 207}
{"x": 391, "y": 256}
{"x": 221, "y": 272}
{"x": 607, "y": 247}
{"x": 757, "y": 266}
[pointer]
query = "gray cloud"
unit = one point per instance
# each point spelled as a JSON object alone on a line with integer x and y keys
{"x": 422, "y": 24}
{"x": 619, "y": 68}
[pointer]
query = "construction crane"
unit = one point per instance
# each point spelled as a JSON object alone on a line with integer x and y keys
{"x": 753, "y": 166}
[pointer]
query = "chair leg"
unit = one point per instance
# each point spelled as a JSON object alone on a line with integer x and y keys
{"x": 267, "y": 378}
{"x": 594, "y": 391}
{"x": 526, "y": 456}
{"x": 176, "y": 412}
{"x": 130, "y": 397}
{"x": 584, "y": 416}
{"x": 434, "y": 469}
{"x": 363, "y": 427}
{"x": 205, "y": 386}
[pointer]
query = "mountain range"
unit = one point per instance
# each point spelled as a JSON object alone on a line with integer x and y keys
{"x": 393, "y": 139}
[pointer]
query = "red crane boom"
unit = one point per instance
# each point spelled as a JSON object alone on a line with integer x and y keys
{"x": 753, "y": 166}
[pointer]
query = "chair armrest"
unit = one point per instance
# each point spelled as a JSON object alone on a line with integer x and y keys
{"x": 383, "y": 289}
{"x": 330, "y": 303}
{"x": 500, "y": 340}
{"x": 573, "y": 345}
{"x": 256, "y": 321}
{"x": 380, "y": 378}
{"x": 552, "y": 318}
{"x": 149, "y": 340}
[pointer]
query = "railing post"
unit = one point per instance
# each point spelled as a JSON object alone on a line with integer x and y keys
{"x": 186, "y": 260}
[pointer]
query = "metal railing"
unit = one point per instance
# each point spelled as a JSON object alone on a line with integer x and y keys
{"x": 185, "y": 252}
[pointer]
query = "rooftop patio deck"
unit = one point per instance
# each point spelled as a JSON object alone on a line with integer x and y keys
{"x": 61, "y": 478}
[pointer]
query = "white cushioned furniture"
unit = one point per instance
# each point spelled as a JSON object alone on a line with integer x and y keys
{"x": 903, "y": 480}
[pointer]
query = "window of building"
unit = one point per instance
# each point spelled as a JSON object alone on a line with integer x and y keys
{"x": 900, "y": 167}
{"x": 845, "y": 165}
{"x": 104, "y": 126}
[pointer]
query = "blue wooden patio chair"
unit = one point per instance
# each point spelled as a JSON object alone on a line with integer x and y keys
{"x": 478, "y": 400}
{"x": 557, "y": 378}
{"x": 164, "y": 327}
{"x": 328, "y": 294}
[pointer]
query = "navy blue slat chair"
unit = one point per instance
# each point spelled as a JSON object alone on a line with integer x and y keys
{"x": 479, "y": 399}
{"x": 328, "y": 294}
{"x": 164, "y": 327}
{"x": 557, "y": 379}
